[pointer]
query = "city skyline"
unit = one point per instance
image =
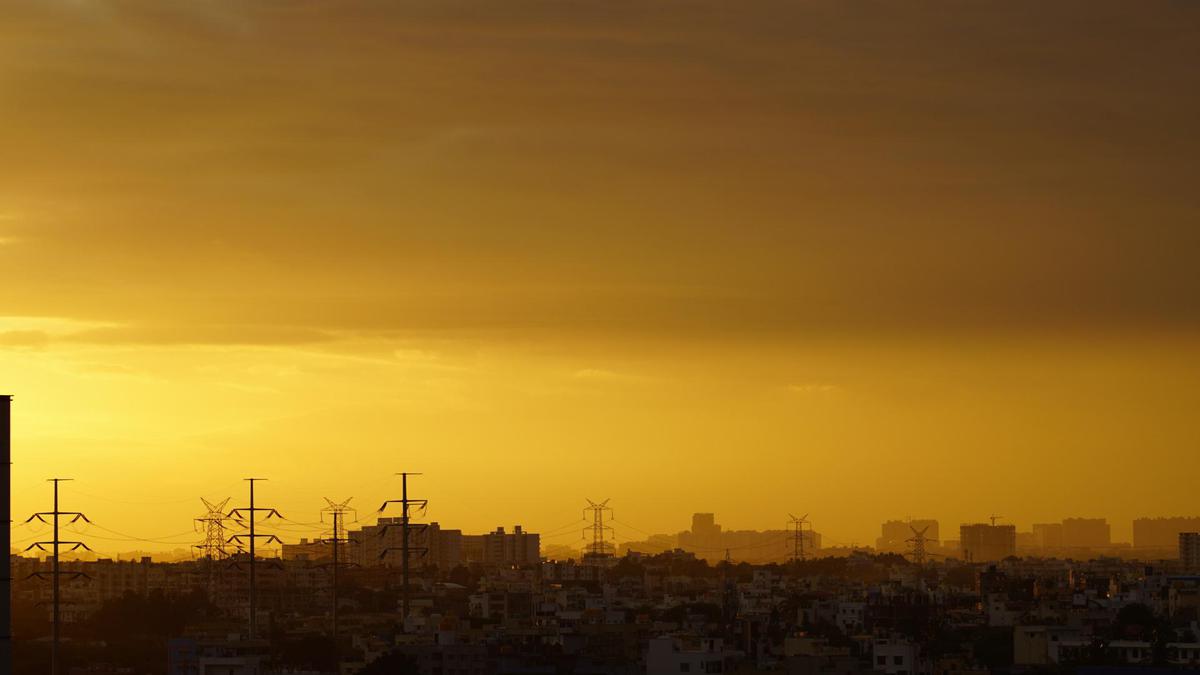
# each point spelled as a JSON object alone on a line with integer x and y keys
{"x": 478, "y": 337}
{"x": 119, "y": 537}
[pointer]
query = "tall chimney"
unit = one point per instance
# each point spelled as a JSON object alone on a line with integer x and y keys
{"x": 6, "y": 664}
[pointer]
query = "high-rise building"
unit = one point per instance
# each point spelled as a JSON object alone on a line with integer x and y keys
{"x": 1162, "y": 532}
{"x": 1027, "y": 541}
{"x": 502, "y": 548}
{"x": 380, "y": 544}
{"x": 980, "y": 542}
{"x": 1189, "y": 550}
{"x": 708, "y": 540}
{"x": 1048, "y": 535}
{"x": 1086, "y": 532}
{"x": 894, "y": 534}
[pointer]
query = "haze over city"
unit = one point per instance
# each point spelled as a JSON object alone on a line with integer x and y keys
{"x": 860, "y": 262}
{"x": 543, "y": 337}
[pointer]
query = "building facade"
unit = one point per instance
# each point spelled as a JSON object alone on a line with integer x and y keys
{"x": 982, "y": 542}
{"x": 1189, "y": 550}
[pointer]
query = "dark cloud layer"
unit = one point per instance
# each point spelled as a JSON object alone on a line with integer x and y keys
{"x": 288, "y": 171}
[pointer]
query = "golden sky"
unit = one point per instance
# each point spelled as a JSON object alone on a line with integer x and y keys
{"x": 865, "y": 260}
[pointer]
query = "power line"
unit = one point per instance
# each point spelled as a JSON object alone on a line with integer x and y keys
{"x": 571, "y": 526}
{"x": 155, "y": 502}
{"x": 130, "y": 537}
{"x": 638, "y": 529}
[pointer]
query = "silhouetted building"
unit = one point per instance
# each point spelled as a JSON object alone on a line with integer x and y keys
{"x": 189, "y": 656}
{"x": 670, "y": 655}
{"x": 981, "y": 541}
{"x": 502, "y": 548}
{"x": 710, "y": 542}
{"x": 705, "y": 533}
{"x": 894, "y": 534}
{"x": 306, "y": 549}
{"x": 1086, "y": 532}
{"x": 430, "y": 545}
{"x": 1048, "y": 535}
{"x": 1162, "y": 532}
{"x": 1189, "y": 550}
{"x": 1027, "y": 541}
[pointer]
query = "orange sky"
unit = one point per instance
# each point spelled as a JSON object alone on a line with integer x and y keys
{"x": 865, "y": 260}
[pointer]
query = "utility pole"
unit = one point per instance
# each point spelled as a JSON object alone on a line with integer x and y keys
{"x": 6, "y": 572}
{"x": 337, "y": 511}
{"x": 599, "y": 547}
{"x": 405, "y": 548}
{"x": 55, "y": 570}
{"x": 729, "y": 600}
{"x": 212, "y": 525}
{"x": 253, "y": 537}
{"x": 798, "y": 536}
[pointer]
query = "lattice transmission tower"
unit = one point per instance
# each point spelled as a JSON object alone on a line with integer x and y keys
{"x": 212, "y": 525}
{"x": 918, "y": 541}
{"x": 600, "y": 547}
{"x": 798, "y": 535}
{"x": 337, "y": 539}
{"x": 212, "y": 548}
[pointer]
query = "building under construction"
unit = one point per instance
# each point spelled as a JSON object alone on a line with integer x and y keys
{"x": 981, "y": 542}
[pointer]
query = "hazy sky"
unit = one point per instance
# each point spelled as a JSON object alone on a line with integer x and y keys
{"x": 865, "y": 260}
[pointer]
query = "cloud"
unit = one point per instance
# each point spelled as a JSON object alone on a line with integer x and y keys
{"x": 814, "y": 389}
{"x": 602, "y": 375}
{"x": 198, "y": 334}
{"x": 24, "y": 338}
{"x": 549, "y": 170}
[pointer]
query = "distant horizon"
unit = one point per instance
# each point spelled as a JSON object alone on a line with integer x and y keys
{"x": 105, "y": 533}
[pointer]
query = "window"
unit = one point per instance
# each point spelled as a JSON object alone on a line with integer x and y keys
{"x": 685, "y": 667}
{"x": 881, "y": 660}
{"x": 898, "y": 660}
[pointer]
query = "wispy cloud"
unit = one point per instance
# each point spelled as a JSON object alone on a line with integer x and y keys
{"x": 814, "y": 388}
{"x": 602, "y": 375}
{"x": 24, "y": 338}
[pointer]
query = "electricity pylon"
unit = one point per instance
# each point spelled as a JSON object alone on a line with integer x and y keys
{"x": 212, "y": 526}
{"x": 798, "y": 535}
{"x": 599, "y": 547}
{"x": 405, "y": 548}
{"x": 253, "y": 537}
{"x": 55, "y": 572}
{"x": 212, "y": 547}
{"x": 337, "y": 512}
{"x": 918, "y": 544}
